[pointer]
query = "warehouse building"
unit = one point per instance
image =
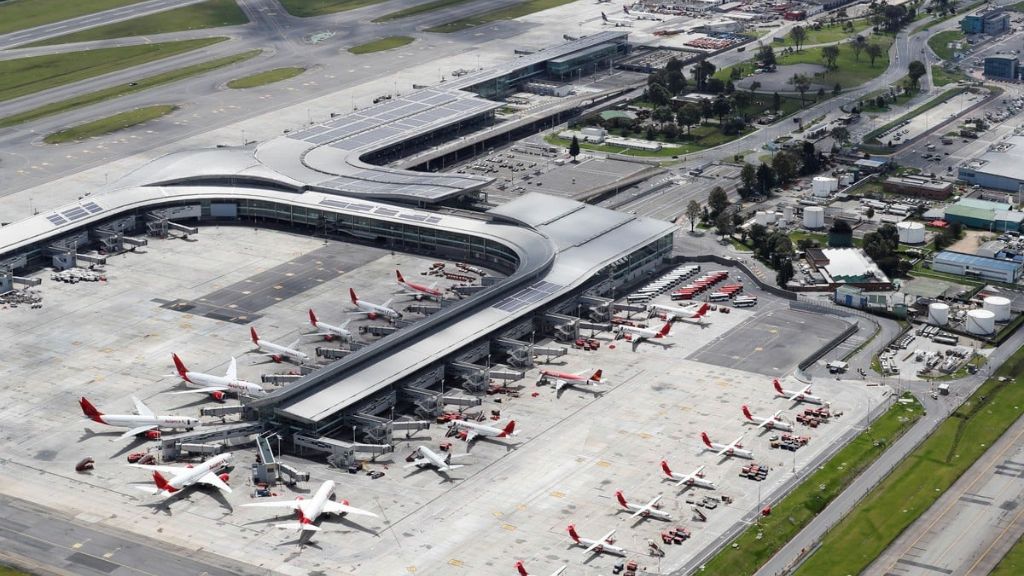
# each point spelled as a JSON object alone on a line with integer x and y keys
{"x": 974, "y": 266}
{"x": 999, "y": 169}
{"x": 918, "y": 186}
{"x": 985, "y": 215}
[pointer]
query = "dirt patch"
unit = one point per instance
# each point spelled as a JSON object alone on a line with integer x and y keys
{"x": 971, "y": 241}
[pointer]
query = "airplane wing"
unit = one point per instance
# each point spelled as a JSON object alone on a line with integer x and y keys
{"x": 212, "y": 479}
{"x": 206, "y": 390}
{"x": 417, "y": 462}
{"x": 175, "y": 470}
{"x": 296, "y": 343}
{"x": 138, "y": 430}
{"x": 646, "y": 507}
{"x": 559, "y": 384}
{"x": 599, "y": 542}
{"x": 471, "y": 435}
{"x": 297, "y": 526}
{"x": 387, "y": 304}
{"x": 141, "y": 409}
{"x": 232, "y": 373}
{"x": 290, "y": 504}
{"x": 332, "y": 507}
{"x": 686, "y": 478}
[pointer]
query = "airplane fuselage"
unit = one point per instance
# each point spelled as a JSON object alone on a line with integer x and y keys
{"x": 191, "y": 475}
{"x": 338, "y": 331}
{"x": 233, "y": 384}
{"x": 135, "y": 421}
{"x": 278, "y": 351}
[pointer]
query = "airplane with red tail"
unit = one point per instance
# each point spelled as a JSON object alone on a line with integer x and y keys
{"x": 637, "y": 335}
{"x": 693, "y": 314}
{"x": 476, "y": 430}
{"x": 773, "y": 422}
{"x": 523, "y": 572}
{"x": 182, "y": 477}
{"x": 734, "y": 448}
{"x": 603, "y": 545}
{"x": 329, "y": 331}
{"x": 563, "y": 379}
{"x": 803, "y": 395}
{"x": 276, "y": 352}
{"x": 307, "y": 511}
{"x": 695, "y": 478}
{"x": 418, "y": 290}
{"x": 216, "y": 386}
{"x": 373, "y": 311}
{"x": 649, "y": 510}
{"x": 143, "y": 423}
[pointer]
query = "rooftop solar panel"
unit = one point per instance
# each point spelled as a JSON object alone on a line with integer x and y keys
{"x": 56, "y": 219}
{"x": 92, "y": 207}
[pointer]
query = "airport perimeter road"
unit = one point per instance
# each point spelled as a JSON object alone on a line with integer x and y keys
{"x": 54, "y": 29}
{"x": 938, "y": 410}
{"x": 59, "y": 544}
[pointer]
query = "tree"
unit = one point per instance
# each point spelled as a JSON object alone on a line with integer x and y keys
{"x": 714, "y": 86}
{"x": 840, "y": 134}
{"x": 733, "y": 126}
{"x": 870, "y": 213}
{"x": 701, "y": 71}
{"x": 840, "y": 235}
{"x": 776, "y": 102}
{"x": 758, "y": 235}
{"x": 662, "y": 115}
{"x": 821, "y": 94}
{"x": 675, "y": 82}
{"x": 674, "y": 65}
{"x": 748, "y": 176}
{"x": 766, "y": 56}
{"x": 574, "y": 148}
{"x": 785, "y": 273}
{"x": 721, "y": 107}
{"x": 915, "y": 70}
{"x": 718, "y": 201}
{"x": 765, "y": 178}
{"x": 802, "y": 83}
{"x": 659, "y": 95}
{"x": 873, "y": 51}
{"x": 858, "y": 45}
{"x": 837, "y": 89}
{"x": 724, "y": 224}
{"x": 755, "y": 86}
{"x": 687, "y": 116}
{"x": 692, "y": 213}
{"x": 797, "y": 35}
{"x": 830, "y": 54}
{"x": 785, "y": 166}
{"x": 809, "y": 161}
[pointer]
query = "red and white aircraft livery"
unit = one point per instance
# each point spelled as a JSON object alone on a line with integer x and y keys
{"x": 603, "y": 545}
{"x": 797, "y": 395}
{"x": 693, "y": 314}
{"x": 773, "y": 422}
{"x": 734, "y": 448}
{"x": 216, "y": 386}
{"x": 563, "y": 379}
{"x": 476, "y": 430}
{"x": 616, "y": 21}
{"x": 187, "y": 476}
{"x": 695, "y": 478}
{"x": 649, "y": 510}
{"x": 307, "y": 511}
{"x": 426, "y": 457}
{"x": 276, "y": 352}
{"x": 143, "y": 422}
{"x": 329, "y": 331}
{"x": 637, "y": 335}
{"x": 523, "y": 572}
{"x": 641, "y": 15}
{"x": 419, "y": 290}
{"x": 373, "y": 311}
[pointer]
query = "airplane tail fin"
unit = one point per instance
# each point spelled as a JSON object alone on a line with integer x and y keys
{"x": 596, "y": 376}
{"x": 312, "y": 317}
{"x": 509, "y": 428}
{"x": 703, "y": 310}
{"x": 90, "y": 411}
{"x": 521, "y": 568}
{"x": 162, "y": 484}
{"x": 180, "y": 366}
{"x": 665, "y": 468}
{"x": 352, "y": 295}
{"x": 398, "y": 275}
{"x": 621, "y": 499}
{"x": 707, "y": 441}
{"x": 664, "y": 329}
{"x": 255, "y": 337}
{"x": 746, "y": 412}
{"x": 778, "y": 386}
{"x": 572, "y": 533}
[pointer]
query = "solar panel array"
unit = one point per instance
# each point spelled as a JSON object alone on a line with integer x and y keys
{"x": 382, "y": 211}
{"x": 530, "y": 295}
{"x": 74, "y": 213}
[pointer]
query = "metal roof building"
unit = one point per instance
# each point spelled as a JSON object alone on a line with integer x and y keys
{"x": 977, "y": 266}
{"x": 1001, "y": 168}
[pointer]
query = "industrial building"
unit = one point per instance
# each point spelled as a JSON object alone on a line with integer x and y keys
{"x": 846, "y": 266}
{"x": 1001, "y": 168}
{"x": 992, "y": 22}
{"x": 984, "y": 215}
{"x": 1002, "y": 67}
{"x": 974, "y": 266}
{"x": 918, "y": 186}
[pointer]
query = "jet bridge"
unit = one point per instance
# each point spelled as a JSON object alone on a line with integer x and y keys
{"x": 173, "y": 446}
{"x": 339, "y": 454}
{"x": 159, "y": 223}
{"x": 267, "y": 469}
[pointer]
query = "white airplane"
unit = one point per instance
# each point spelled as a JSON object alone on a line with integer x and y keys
{"x": 563, "y": 379}
{"x": 373, "y": 311}
{"x": 797, "y": 395}
{"x": 734, "y": 448}
{"x": 276, "y": 352}
{"x": 695, "y": 478}
{"x": 143, "y": 422}
{"x": 641, "y": 15}
{"x": 693, "y": 314}
{"x": 427, "y": 457}
{"x": 617, "y": 21}
{"x": 307, "y": 511}
{"x": 772, "y": 422}
{"x": 638, "y": 335}
{"x": 329, "y": 331}
{"x": 216, "y": 386}
{"x": 475, "y": 430}
{"x": 602, "y": 545}
{"x": 419, "y": 290}
{"x": 649, "y": 510}
{"x": 523, "y": 572}
{"x": 187, "y": 476}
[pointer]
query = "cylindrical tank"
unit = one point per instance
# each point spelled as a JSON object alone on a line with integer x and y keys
{"x": 814, "y": 217}
{"x": 938, "y": 313}
{"x": 764, "y": 218}
{"x": 910, "y": 232}
{"x": 822, "y": 186}
{"x": 846, "y": 179}
{"x": 999, "y": 306}
{"x": 787, "y": 214}
{"x": 982, "y": 322}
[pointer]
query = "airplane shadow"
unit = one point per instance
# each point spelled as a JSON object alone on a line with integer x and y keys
{"x": 589, "y": 390}
{"x": 349, "y": 523}
{"x": 203, "y": 400}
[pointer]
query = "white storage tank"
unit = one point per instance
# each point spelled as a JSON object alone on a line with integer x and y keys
{"x": 999, "y": 306}
{"x": 938, "y": 313}
{"x": 814, "y": 217}
{"x": 764, "y": 218}
{"x": 787, "y": 214}
{"x": 981, "y": 322}
{"x": 910, "y": 232}
{"x": 822, "y": 186}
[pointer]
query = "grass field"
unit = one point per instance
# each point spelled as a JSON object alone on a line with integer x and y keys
{"x": 940, "y": 77}
{"x": 1013, "y": 563}
{"x": 939, "y": 43}
{"x": 758, "y": 543}
{"x": 21, "y": 14}
{"x": 923, "y": 476}
{"x": 382, "y": 44}
{"x": 829, "y": 34}
{"x": 419, "y": 9}
{"x": 849, "y": 72}
{"x": 264, "y": 78}
{"x": 30, "y": 75}
{"x": 110, "y": 124}
{"x": 124, "y": 89}
{"x": 516, "y": 11}
{"x": 209, "y": 14}
{"x": 310, "y": 8}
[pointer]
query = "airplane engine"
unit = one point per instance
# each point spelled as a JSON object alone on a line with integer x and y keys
{"x": 277, "y": 358}
{"x": 217, "y": 395}
{"x": 225, "y": 477}
{"x": 152, "y": 434}
{"x": 329, "y": 337}
{"x": 372, "y": 315}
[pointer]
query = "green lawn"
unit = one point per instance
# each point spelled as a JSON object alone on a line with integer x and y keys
{"x": 381, "y": 44}
{"x": 797, "y": 509}
{"x": 901, "y": 98}
{"x": 1013, "y": 563}
{"x": 7, "y": 571}
{"x": 25, "y": 76}
{"x": 849, "y": 72}
{"x": 1018, "y": 7}
{"x": 420, "y": 9}
{"x": 939, "y": 43}
{"x": 110, "y": 124}
{"x": 264, "y": 78}
{"x": 923, "y": 476}
{"x": 21, "y": 14}
{"x": 829, "y": 34}
{"x": 940, "y": 77}
{"x": 310, "y": 8}
{"x": 515, "y": 11}
{"x": 124, "y": 89}
{"x": 209, "y": 14}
